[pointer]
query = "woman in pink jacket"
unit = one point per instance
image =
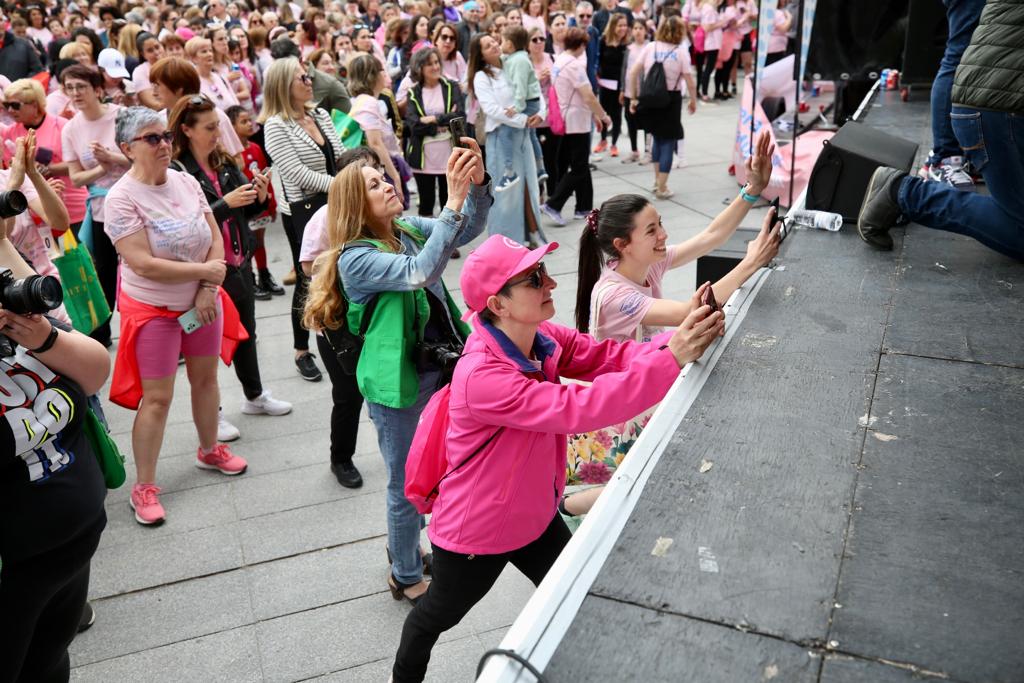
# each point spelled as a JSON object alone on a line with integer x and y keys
{"x": 509, "y": 408}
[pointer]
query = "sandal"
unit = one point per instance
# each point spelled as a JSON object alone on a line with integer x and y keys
{"x": 398, "y": 589}
{"x": 428, "y": 560}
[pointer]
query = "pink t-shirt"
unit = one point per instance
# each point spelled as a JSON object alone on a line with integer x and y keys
{"x": 140, "y": 77}
{"x": 778, "y": 37}
{"x": 712, "y": 38}
{"x": 218, "y": 90}
{"x": 57, "y": 103}
{"x": 455, "y": 70}
{"x": 676, "y": 60}
{"x": 48, "y": 136}
{"x": 570, "y": 73}
{"x": 437, "y": 149}
{"x": 530, "y": 23}
{"x": 366, "y": 111}
{"x": 228, "y": 137}
{"x": 174, "y": 218}
{"x": 623, "y": 303}
{"x": 314, "y": 237}
{"x": 76, "y": 137}
{"x": 634, "y": 51}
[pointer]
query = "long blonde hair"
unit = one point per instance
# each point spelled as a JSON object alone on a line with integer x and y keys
{"x": 346, "y": 221}
{"x": 277, "y": 91}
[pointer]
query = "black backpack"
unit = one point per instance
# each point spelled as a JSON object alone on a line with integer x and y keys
{"x": 654, "y": 88}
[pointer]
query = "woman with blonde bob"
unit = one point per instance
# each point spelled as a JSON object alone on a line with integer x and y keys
{"x": 390, "y": 269}
{"x": 304, "y": 149}
{"x": 211, "y": 82}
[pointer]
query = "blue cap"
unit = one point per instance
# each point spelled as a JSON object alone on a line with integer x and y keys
{"x": 471, "y": 5}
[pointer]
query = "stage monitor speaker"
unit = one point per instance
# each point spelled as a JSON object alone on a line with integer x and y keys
{"x": 845, "y": 165}
{"x": 717, "y": 264}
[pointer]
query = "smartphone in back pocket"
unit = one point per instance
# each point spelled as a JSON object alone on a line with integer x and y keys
{"x": 189, "y": 321}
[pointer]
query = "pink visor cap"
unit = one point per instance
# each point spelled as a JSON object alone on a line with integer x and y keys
{"x": 491, "y": 265}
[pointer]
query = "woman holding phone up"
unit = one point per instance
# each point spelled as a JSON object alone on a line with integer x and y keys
{"x": 172, "y": 267}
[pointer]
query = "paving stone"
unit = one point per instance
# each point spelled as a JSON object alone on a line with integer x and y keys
{"x": 150, "y": 562}
{"x": 164, "y": 615}
{"x": 226, "y": 656}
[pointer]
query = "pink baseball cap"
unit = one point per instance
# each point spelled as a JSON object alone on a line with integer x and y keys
{"x": 491, "y": 265}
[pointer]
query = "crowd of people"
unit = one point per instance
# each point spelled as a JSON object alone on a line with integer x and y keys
{"x": 168, "y": 138}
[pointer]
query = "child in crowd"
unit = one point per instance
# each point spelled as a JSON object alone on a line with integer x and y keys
{"x": 522, "y": 79}
{"x": 254, "y": 162}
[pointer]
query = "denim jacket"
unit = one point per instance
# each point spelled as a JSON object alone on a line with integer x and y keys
{"x": 365, "y": 270}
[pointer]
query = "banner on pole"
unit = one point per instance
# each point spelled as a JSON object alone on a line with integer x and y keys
{"x": 765, "y": 25}
{"x": 805, "y": 39}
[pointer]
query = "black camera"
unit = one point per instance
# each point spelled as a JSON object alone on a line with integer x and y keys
{"x": 12, "y": 203}
{"x": 441, "y": 355}
{"x": 32, "y": 294}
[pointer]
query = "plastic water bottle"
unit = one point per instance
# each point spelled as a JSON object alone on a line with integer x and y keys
{"x": 822, "y": 220}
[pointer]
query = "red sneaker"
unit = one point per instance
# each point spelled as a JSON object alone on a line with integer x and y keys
{"x": 222, "y": 460}
{"x": 615, "y": 151}
{"x": 601, "y": 146}
{"x": 145, "y": 502}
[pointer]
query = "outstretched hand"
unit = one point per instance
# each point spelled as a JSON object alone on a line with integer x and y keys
{"x": 759, "y": 165}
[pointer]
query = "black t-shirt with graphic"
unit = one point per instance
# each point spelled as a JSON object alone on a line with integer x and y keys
{"x": 51, "y": 487}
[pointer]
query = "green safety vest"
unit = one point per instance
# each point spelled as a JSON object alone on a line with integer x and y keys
{"x": 386, "y": 372}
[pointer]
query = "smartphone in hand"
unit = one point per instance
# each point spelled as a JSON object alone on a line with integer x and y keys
{"x": 457, "y": 126}
{"x": 189, "y": 321}
{"x": 708, "y": 299}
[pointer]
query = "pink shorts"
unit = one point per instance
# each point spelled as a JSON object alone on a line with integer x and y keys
{"x": 162, "y": 340}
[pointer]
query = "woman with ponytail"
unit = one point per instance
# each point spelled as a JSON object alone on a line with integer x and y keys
{"x": 623, "y": 260}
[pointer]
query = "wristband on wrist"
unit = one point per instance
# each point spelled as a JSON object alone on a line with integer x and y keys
{"x": 51, "y": 339}
{"x": 749, "y": 197}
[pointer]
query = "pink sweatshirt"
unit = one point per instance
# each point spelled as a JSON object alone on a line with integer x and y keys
{"x": 508, "y": 493}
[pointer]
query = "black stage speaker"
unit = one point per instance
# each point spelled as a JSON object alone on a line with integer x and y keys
{"x": 845, "y": 165}
{"x": 927, "y": 32}
{"x": 718, "y": 263}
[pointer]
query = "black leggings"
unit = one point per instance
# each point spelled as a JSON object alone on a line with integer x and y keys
{"x": 300, "y": 333}
{"x": 574, "y": 155}
{"x": 610, "y": 102}
{"x": 459, "y": 582}
{"x": 632, "y": 128}
{"x": 549, "y": 143}
{"x": 348, "y": 403}
{"x": 238, "y": 285}
{"x": 104, "y": 257}
{"x": 708, "y": 66}
{"x": 425, "y": 186}
{"x": 41, "y": 603}
{"x": 722, "y": 76}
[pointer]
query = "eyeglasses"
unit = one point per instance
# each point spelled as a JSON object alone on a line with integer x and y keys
{"x": 154, "y": 139}
{"x": 199, "y": 100}
{"x": 305, "y": 79}
{"x": 12, "y": 106}
{"x": 76, "y": 87}
{"x": 535, "y": 279}
{"x": 537, "y": 39}
{"x": 446, "y": 38}
{"x": 584, "y": 16}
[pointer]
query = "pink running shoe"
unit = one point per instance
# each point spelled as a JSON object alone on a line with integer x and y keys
{"x": 146, "y": 504}
{"x": 222, "y": 460}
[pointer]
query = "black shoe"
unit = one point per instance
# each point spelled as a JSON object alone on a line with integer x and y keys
{"x": 879, "y": 211}
{"x": 307, "y": 368}
{"x": 259, "y": 292}
{"x": 347, "y": 475}
{"x": 268, "y": 283}
{"x": 87, "y": 619}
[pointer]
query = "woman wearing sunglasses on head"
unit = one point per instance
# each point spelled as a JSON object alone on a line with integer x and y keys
{"x": 510, "y": 412}
{"x": 390, "y": 269}
{"x": 170, "y": 303}
{"x": 233, "y": 200}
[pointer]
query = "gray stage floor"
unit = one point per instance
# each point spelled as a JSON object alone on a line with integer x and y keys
{"x": 862, "y": 520}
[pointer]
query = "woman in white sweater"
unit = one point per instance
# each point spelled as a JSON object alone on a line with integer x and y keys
{"x": 304, "y": 149}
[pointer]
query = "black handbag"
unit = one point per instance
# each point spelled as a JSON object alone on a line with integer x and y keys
{"x": 348, "y": 346}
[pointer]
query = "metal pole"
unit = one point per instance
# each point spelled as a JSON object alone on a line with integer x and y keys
{"x": 753, "y": 97}
{"x": 796, "y": 108}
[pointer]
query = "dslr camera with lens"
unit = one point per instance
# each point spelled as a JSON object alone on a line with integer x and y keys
{"x": 12, "y": 203}
{"x": 32, "y": 294}
{"x": 437, "y": 355}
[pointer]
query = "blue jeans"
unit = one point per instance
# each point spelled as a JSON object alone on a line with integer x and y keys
{"x": 395, "y": 429}
{"x": 662, "y": 152}
{"x": 994, "y": 144}
{"x": 508, "y": 140}
{"x": 962, "y": 16}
